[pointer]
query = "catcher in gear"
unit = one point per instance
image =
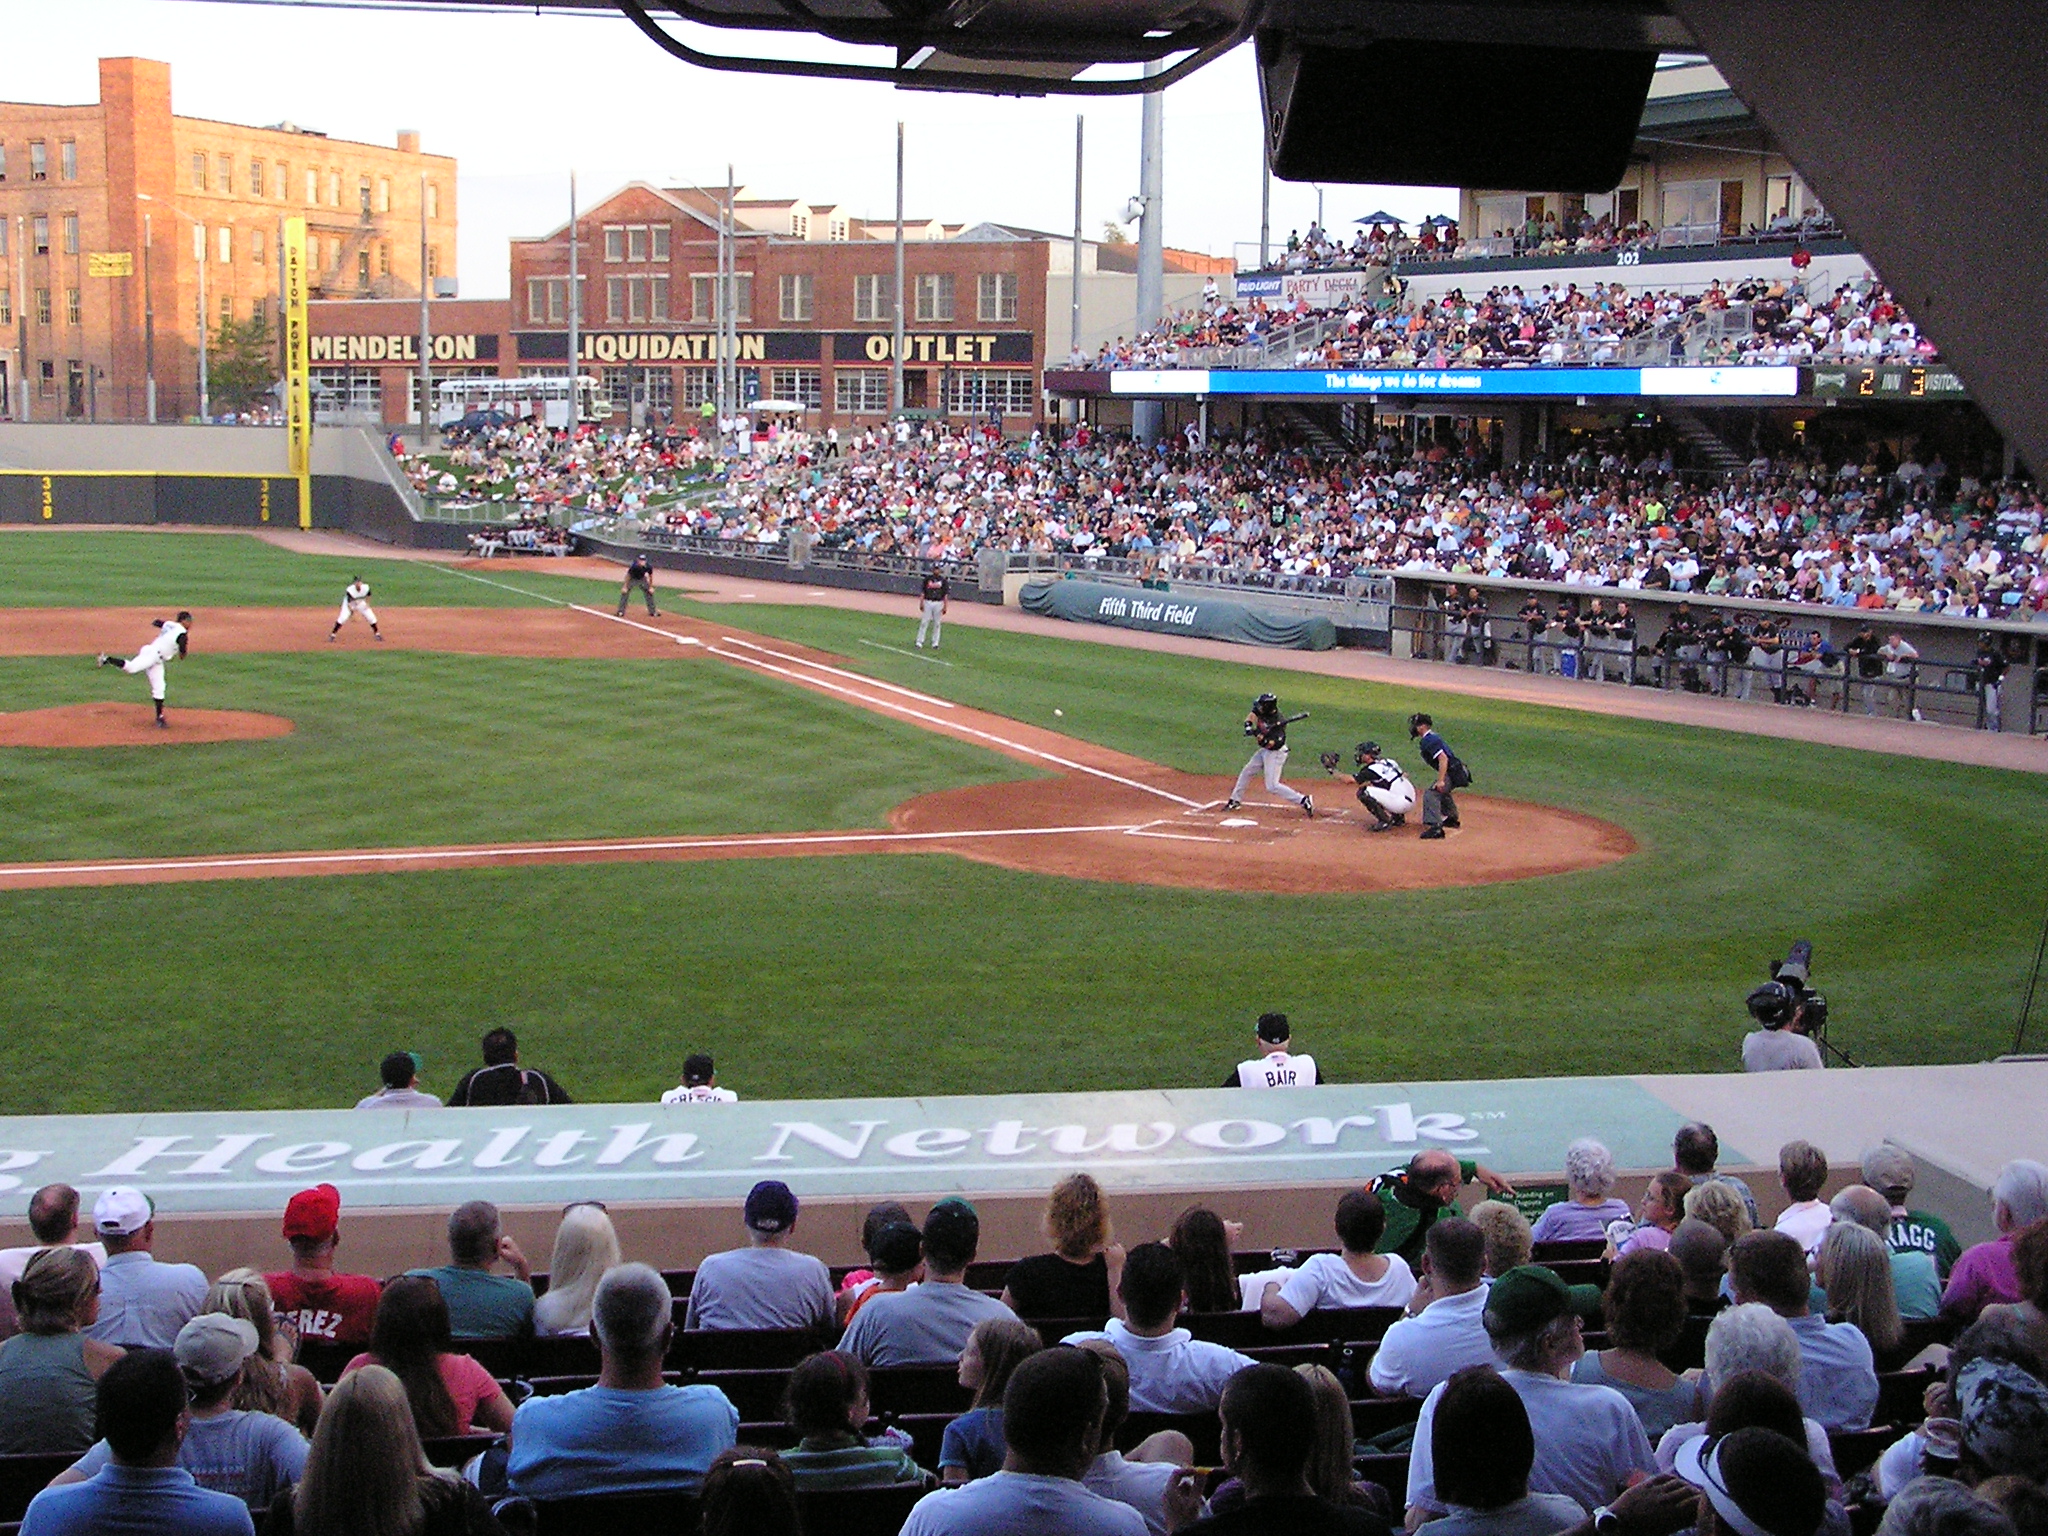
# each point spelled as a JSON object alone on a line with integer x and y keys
{"x": 1266, "y": 726}
{"x": 1383, "y": 788}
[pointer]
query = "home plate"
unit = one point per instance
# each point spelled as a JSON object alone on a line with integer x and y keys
{"x": 1237, "y": 821}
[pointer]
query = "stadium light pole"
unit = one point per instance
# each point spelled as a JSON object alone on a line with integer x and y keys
{"x": 21, "y": 306}
{"x": 1265, "y": 209}
{"x": 1148, "y": 415}
{"x": 1074, "y": 323}
{"x": 896, "y": 343}
{"x": 148, "y": 328}
{"x": 575, "y": 304}
{"x": 205, "y": 396}
{"x": 426, "y": 334}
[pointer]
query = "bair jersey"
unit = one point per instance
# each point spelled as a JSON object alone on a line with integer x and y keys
{"x": 1278, "y": 1070}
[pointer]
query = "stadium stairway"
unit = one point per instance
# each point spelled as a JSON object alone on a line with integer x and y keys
{"x": 1709, "y": 449}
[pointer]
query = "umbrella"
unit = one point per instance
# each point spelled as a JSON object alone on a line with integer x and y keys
{"x": 1439, "y": 221}
{"x": 1382, "y": 217}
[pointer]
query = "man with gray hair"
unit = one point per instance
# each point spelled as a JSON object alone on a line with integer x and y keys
{"x": 1590, "y": 1444}
{"x": 483, "y": 1305}
{"x": 1915, "y": 1284}
{"x": 1941, "y": 1506}
{"x": 1889, "y": 1170}
{"x": 632, "y": 1432}
{"x": 1985, "y": 1274}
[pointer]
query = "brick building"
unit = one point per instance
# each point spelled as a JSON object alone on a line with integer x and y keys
{"x": 126, "y": 172}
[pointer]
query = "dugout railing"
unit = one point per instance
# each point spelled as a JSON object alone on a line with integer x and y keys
{"x": 1930, "y": 692}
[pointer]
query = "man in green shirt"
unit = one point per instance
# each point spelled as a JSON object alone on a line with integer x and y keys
{"x": 1416, "y": 1195}
{"x": 1889, "y": 1171}
{"x": 483, "y": 1305}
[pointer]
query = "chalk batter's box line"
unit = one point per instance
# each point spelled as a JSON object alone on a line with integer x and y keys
{"x": 400, "y": 856}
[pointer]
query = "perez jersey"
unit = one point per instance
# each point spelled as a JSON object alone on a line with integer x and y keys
{"x": 934, "y": 588}
{"x": 1278, "y": 1070}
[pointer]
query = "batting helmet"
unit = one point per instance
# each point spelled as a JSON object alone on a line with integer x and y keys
{"x": 1267, "y": 704}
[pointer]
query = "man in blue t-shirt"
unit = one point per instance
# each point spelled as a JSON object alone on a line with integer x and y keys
{"x": 1439, "y": 809}
{"x": 632, "y": 1432}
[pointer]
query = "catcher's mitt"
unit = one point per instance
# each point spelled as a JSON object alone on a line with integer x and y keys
{"x": 1331, "y": 761}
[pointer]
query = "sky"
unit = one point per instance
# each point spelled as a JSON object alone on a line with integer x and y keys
{"x": 522, "y": 100}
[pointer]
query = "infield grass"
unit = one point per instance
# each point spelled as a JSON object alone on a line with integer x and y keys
{"x": 905, "y": 974}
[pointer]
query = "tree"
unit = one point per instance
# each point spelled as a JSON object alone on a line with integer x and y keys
{"x": 1113, "y": 233}
{"x": 242, "y": 366}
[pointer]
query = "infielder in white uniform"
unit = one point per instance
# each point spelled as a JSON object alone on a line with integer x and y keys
{"x": 1275, "y": 1066}
{"x": 151, "y": 660}
{"x": 355, "y": 598}
{"x": 1383, "y": 789}
{"x": 1265, "y": 726}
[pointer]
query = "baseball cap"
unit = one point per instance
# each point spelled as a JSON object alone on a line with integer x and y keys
{"x": 771, "y": 1207}
{"x": 897, "y": 1248}
{"x": 1273, "y": 1028}
{"x": 697, "y": 1069}
{"x": 213, "y": 1345}
{"x": 1759, "y": 1483}
{"x": 2005, "y": 1418}
{"x": 121, "y": 1212}
{"x": 1529, "y": 1295}
{"x": 1886, "y": 1168}
{"x": 313, "y": 1213}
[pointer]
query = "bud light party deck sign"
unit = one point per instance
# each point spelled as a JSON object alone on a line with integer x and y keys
{"x": 851, "y": 1147}
{"x": 1469, "y": 383}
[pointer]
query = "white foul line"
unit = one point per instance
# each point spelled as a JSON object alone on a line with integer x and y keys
{"x": 953, "y": 725}
{"x": 857, "y": 677}
{"x": 913, "y": 655}
{"x": 619, "y": 618}
{"x": 1173, "y": 837}
{"x": 529, "y": 850}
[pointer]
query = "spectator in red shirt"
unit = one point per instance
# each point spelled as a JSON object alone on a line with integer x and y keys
{"x": 323, "y": 1306}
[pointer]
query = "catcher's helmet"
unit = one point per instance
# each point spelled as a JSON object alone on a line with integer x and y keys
{"x": 1418, "y": 723}
{"x": 1772, "y": 1004}
{"x": 1267, "y": 704}
{"x": 1365, "y": 750}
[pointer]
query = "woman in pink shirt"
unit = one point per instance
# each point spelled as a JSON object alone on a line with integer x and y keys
{"x": 450, "y": 1393}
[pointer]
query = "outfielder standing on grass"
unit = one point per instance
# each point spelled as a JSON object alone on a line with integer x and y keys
{"x": 1265, "y": 726}
{"x": 151, "y": 660}
{"x": 931, "y": 606}
{"x": 1383, "y": 788}
{"x": 641, "y": 574}
{"x": 355, "y": 598}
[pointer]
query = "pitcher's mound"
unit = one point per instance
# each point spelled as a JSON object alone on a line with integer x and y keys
{"x": 133, "y": 725}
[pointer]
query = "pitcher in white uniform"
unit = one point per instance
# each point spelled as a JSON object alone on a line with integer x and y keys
{"x": 151, "y": 660}
{"x": 355, "y": 598}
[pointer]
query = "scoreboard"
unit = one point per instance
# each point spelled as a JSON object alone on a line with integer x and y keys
{"x": 1884, "y": 381}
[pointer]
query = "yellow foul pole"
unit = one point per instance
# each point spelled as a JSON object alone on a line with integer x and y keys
{"x": 298, "y": 400}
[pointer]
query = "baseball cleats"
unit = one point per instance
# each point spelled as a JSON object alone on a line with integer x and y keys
{"x": 1431, "y": 832}
{"x": 1453, "y": 822}
{"x": 332, "y": 637}
{"x": 379, "y": 638}
{"x": 102, "y": 661}
{"x": 1383, "y": 826}
{"x": 1308, "y": 806}
{"x": 1233, "y": 805}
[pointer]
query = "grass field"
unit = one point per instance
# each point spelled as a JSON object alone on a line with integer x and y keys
{"x": 1918, "y": 881}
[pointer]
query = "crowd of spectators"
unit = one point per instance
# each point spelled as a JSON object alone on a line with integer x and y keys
{"x": 1572, "y": 233}
{"x": 591, "y": 470}
{"x": 1536, "y": 1403}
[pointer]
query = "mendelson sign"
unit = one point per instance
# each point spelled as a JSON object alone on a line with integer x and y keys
{"x": 872, "y": 1147}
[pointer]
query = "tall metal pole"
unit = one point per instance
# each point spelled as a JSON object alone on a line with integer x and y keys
{"x": 1074, "y": 324}
{"x": 1148, "y": 415}
{"x": 728, "y": 301}
{"x": 1265, "y": 209}
{"x": 575, "y": 305}
{"x": 21, "y": 305}
{"x": 205, "y": 398}
{"x": 896, "y": 346}
{"x": 718, "y": 338}
{"x": 148, "y": 328}
{"x": 426, "y": 332}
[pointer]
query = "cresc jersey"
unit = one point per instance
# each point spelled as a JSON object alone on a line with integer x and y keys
{"x": 934, "y": 588}
{"x": 700, "y": 1093}
{"x": 1278, "y": 1070}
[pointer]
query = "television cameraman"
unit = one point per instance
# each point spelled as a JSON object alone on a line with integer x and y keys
{"x": 1789, "y": 1014}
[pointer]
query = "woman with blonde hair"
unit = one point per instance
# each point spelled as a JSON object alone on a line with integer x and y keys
{"x": 1720, "y": 1205}
{"x": 1508, "y": 1238}
{"x": 973, "y": 1445}
{"x": 585, "y": 1247}
{"x": 50, "y": 1371}
{"x": 1336, "y": 1443}
{"x": 1854, "y": 1268}
{"x": 270, "y": 1382}
{"x": 366, "y": 1474}
{"x": 1078, "y": 1279}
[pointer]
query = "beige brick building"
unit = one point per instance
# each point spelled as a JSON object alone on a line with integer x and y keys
{"x": 181, "y": 196}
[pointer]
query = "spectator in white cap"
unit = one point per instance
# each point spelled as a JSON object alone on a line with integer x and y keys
{"x": 767, "y": 1284}
{"x": 143, "y": 1303}
{"x": 252, "y": 1456}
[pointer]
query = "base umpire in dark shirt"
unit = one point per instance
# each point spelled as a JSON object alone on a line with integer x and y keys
{"x": 641, "y": 574}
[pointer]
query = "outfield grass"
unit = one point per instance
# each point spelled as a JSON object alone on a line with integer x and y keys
{"x": 1918, "y": 882}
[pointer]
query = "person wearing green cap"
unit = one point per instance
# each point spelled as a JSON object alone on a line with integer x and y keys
{"x": 1590, "y": 1444}
{"x": 1415, "y": 1196}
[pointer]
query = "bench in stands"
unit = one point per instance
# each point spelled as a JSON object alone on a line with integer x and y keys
{"x": 666, "y": 1513}
{"x": 23, "y": 1477}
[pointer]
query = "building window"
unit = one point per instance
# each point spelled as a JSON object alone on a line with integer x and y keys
{"x": 3, "y": 161}
{"x": 70, "y": 234}
{"x": 67, "y": 159}
{"x": 863, "y": 391}
{"x": 6, "y": 307}
{"x": 838, "y": 229}
{"x": 546, "y": 299}
{"x": 43, "y": 308}
{"x": 3, "y": 240}
{"x": 259, "y": 310}
{"x": 227, "y": 244}
{"x": 615, "y": 298}
{"x": 255, "y": 178}
{"x": 871, "y": 297}
{"x": 39, "y": 233}
{"x": 227, "y": 309}
{"x": 636, "y": 242}
{"x": 312, "y": 187}
{"x": 334, "y": 189}
{"x": 284, "y": 182}
{"x": 383, "y": 258}
{"x": 658, "y": 236}
{"x": 934, "y": 296}
{"x": 39, "y": 161}
{"x": 362, "y": 269}
{"x": 615, "y": 242}
{"x": 700, "y": 387}
{"x": 636, "y": 299}
{"x": 46, "y": 375}
{"x": 978, "y": 392}
{"x": 383, "y": 194}
{"x": 256, "y": 246}
{"x": 363, "y": 196}
{"x": 227, "y": 175}
{"x": 998, "y": 296}
{"x": 800, "y": 226}
{"x": 74, "y": 308}
{"x": 704, "y": 296}
{"x": 199, "y": 242}
{"x": 805, "y": 386}
{"x": 433, "y": 201}
{"x": 657, "y": 298}
{"x": 796, "y": 296}
{"x": 661, "y": 391}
